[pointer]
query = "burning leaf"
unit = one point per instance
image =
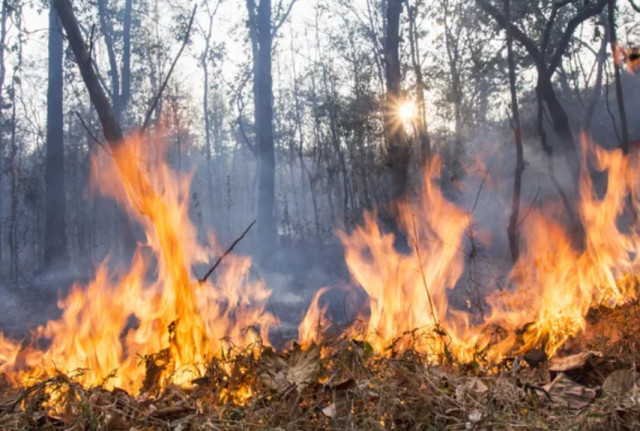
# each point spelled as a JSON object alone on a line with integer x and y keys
{"x": 566, "y": 392}
{"x": 297, "y": 372}
{"x": 572, "y": 362}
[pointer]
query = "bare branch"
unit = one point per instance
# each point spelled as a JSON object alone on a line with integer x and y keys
{"x": 147, "y": 118}
{"x": 281, "y": 17}
{"x": 229, "y": 250}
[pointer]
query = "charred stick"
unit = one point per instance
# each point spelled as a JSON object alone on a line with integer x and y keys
{"x": 229, "y": 250}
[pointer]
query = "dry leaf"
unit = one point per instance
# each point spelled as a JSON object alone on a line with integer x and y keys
{"x": 475, "y": 416}
{"x": 301, "y": 369}
{"x": 331, "y": 411}
{"x": 619, "y": 383}
{"x": 568, "y": 393}
{"x": 572, "y": 362}
{"x": 473, "y": 386}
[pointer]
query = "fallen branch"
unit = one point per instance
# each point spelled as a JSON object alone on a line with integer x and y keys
{"x": 229, "y": 250}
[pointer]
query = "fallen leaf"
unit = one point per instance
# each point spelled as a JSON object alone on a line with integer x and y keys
{"x": 475, "y": 416}
{"x": 298, "y": 371}
{"x": 331, "y": 411}
{"x": 473, "y": 386}
{"x": 572, "y": 362}
{"x": 568, "y": 393}
{"x": 619, "y": 383}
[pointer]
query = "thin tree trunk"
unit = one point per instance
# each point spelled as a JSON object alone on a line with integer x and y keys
{"x": 422, "y": 126}
{"x": 55, "y": 239}
{"x": 597, "y": 88}
{"x": 3, "y": 73}
{"x": 514, "y": 219}
{"x": 262, "y": 39}
{"x": 611, "y": 15}
{"x": 398, "y": 150}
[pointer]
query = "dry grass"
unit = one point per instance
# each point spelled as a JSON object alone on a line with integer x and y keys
{"x": 341, "y": 384}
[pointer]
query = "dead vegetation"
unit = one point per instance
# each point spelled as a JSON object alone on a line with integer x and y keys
{"x": 342, "y": 384}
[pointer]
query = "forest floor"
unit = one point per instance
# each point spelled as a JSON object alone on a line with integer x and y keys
{"x": 592, "y": 384}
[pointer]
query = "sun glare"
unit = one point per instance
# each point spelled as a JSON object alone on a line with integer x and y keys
{"x": 407, "y": 112}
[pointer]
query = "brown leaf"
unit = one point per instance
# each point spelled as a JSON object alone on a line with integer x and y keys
{"x": 619, "y": 383}
{"x": 172, "y": 412}
{"x": 572, "y": 362}
{"x": 298, "y": 371}
{"x": 568, "y": 393}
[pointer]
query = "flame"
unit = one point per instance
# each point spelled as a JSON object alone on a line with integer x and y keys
{"x": 156, "y": 309}
{"x": 553, "y": 283}
{"x": 629, "y": 56}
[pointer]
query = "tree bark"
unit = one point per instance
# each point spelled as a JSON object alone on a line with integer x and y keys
{"x": 422, "y": 126}
{"x": 514, "y": 219}
{"x": 262, "y": 40}
{"x": 611, "y": 16}
{"x": 398, "y": 149}
{"x": 55, "y": 239}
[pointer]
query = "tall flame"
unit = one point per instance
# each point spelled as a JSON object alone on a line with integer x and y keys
{"x": 553, "y": 284}
{"x": 157, "y": 309}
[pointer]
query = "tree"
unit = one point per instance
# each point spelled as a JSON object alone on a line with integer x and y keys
{"x": 611, "y": 15}
{"x": 262, "y": 31}
{"x": 546, "y": 54}
{"x": 514, "y": 219}
{"x": 414, "y": 44}
{"x": 398, "y": 148}
{"x": 55, "y": 240}
{"x": 120, "y": 77}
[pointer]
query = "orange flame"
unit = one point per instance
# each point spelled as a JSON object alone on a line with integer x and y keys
{"x": 553, "y": 284}
{"x": 175, "y": 314}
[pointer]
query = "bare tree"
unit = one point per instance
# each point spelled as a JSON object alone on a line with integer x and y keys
{"x": 514, "y": 219}
{"x": 262, "y": 30}
{"x": 55, "y": 239}
{"x": 611, "y": 19}
{"x": 547, "y": 55}
{"x": 398, "y": 148}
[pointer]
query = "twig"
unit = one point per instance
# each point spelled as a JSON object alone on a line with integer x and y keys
{"x": 424, "y": 277}
{"x": 91, "y": 135}
{"x": 533, "y": 202}
{"x": 229, "y": 250}
{"x": 147, "y": 118}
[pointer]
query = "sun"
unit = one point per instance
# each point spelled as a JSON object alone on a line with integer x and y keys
{"x": 407, "y": 112}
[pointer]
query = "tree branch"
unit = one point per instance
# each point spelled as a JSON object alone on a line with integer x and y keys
{"x": 281, "y": 18}
{"x": 589, "y": 11}
{"x": 229, "y": 250}
{"x": 110, "y": 126}
{"x": 517, "y": 34}
{"x": 152, "y": 108}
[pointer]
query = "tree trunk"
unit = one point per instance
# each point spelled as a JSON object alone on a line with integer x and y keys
{"x": 55, "y": 240}
{"x": 611, "y": 15}
{"x": 398, "y": 149}
{"x": 561, "y": 126}
{"x": 260, "y": 21}
{"x": 3, "y": 73}
{"x": 422, "y": 126}
{"x": 597, "y": 88}
{"x": 514, "y": 219}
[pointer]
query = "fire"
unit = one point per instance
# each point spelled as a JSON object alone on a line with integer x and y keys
{"x": 152, "y": 323}
{"x": 552, "y": 285}
{"x": 155, "y": 312}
